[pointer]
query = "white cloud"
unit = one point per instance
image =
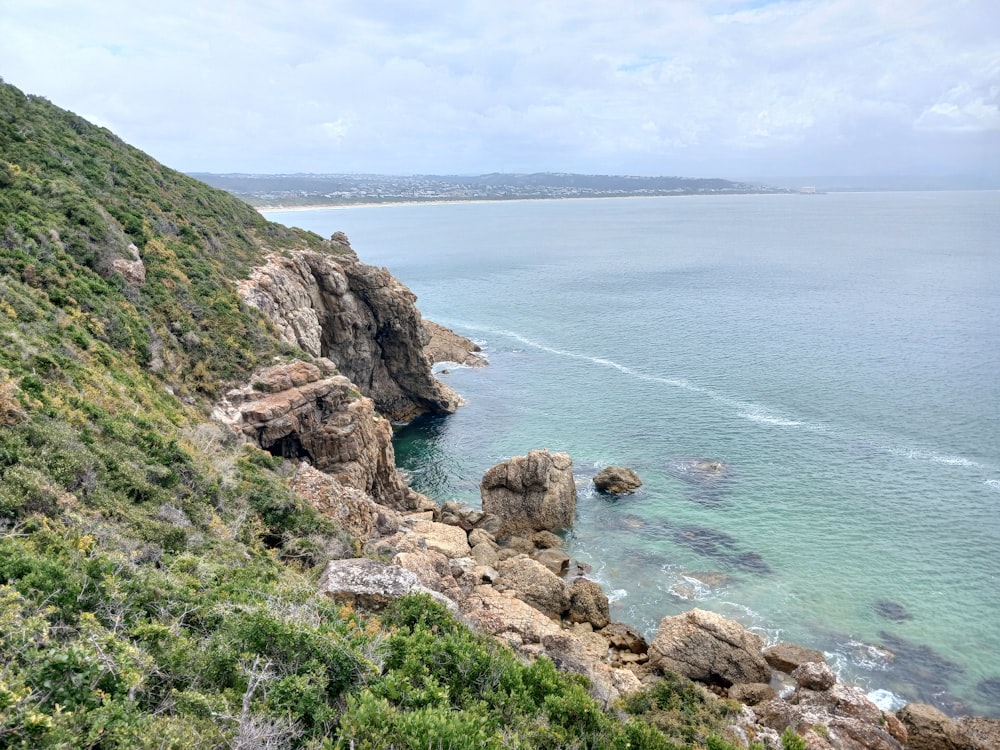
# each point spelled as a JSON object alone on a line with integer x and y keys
{"x": 420, "y": 86}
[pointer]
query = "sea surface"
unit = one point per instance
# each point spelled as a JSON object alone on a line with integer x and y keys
{"x": 838, "y": 355}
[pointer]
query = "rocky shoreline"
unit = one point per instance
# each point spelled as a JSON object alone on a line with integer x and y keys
{"x": 501, "y": 568}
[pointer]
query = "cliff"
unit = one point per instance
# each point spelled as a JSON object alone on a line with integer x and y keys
{"x": 358, "y": 316}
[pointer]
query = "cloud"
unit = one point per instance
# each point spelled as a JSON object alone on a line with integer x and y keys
{"x": 417, "y": 86}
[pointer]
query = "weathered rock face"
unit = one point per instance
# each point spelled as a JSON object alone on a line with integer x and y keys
{"x": 444, "y": 345}
{"x": 707, "y": 647}
{"x": 535, "y": 584}
{"x": 359, "y": 317}
{"x": 531, "y": 493}
{"x": 617, "y": 480}
{"x": 352, "y": 509}
{"x": 301, "y": 410}
{"x": 928, "y": 728}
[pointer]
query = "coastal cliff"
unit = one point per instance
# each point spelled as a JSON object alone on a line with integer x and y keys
{"x": 199, "y": 500}
{"x": 358, "y": 316}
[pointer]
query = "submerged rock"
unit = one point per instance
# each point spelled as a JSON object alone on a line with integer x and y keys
{"x": 891, "y": 610}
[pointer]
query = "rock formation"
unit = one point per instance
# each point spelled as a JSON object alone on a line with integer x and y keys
{"x": 444, "y": 345}
{"x": 531, "y": 493}
{"x": 706, "y": 647}
{"x": 929, "y": 729}
{"x": 304, "y": 411}
{"x": 617, "y": 480}
{"x": 359, "y": 317}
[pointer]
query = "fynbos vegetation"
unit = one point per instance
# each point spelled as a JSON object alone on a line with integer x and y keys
{"x": 157, "y": 578}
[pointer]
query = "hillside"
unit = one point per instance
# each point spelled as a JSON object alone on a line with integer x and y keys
{"x": 159, "y": 574}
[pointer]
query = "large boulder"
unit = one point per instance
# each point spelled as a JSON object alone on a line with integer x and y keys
{"x": 531, "y": 493}
{"x": 450, "y": 541}
{"x": 786, "y": 657}
{"x": 535, "y": 584}
{"x": 709, "y": 648}
{"x": 588, "y": 603}
{"x": 371, "y": 584}
{"x": 617, "y": 480}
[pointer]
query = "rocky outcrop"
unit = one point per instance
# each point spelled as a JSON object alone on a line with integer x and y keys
{"x": 786, "y": 657}
{"x": 305, "y": 411}
{"x": 588, "y": 603}
{"x": 359, "y": 317}
{"x": 709, "y": 648}
{"x": 930, "y": 729}
{"x": 531, "y": 493}
{"x": 535, "y": 584}
{"x": 837, "y": 717}
{"x": 444, "y": 345}
{"x": 352, "y": 509}
{"x": 134, "y": 270}
{"x": 617, "y": 480}
{"x": 371, "y": 584}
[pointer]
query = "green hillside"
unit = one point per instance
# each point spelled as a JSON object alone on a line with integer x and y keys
{"x": 157, "y": 578}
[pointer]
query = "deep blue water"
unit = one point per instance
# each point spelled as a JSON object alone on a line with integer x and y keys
{"x": 839, "y": 353}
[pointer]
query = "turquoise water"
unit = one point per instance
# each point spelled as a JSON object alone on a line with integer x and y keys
{"x": 838, "y": 353}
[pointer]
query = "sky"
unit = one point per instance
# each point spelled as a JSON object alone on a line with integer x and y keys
{"x": 696, "y": 88}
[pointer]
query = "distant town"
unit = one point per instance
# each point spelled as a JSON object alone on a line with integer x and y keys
{"x": 303, "y": 190}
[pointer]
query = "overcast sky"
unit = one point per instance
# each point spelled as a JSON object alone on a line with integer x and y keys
{"x": 728, "y": 88}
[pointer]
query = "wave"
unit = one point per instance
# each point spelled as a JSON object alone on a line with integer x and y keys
{"x": 748, "y": 410}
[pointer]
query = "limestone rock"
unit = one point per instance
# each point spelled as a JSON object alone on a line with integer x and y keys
{"x": 371, "y": 584}
{"x": 625, "y": 638}
{"x": 617, "y": 480}
{"x": 709, "y": 648}
{"x": 478, "y": 535}
{"x": 444, "y": 345}
{"x": 302, "y": 410}
{"x": 785, "y": 657}
{"x": 535, "y": 584}
{"x": 358, "y": 316}
{"x": 502, "y": 614}
{"x": 588, "y": 603}
{"x": 531, "y": 493}
{"x": 546, "y": 540}
{"x": 486, "y": 553}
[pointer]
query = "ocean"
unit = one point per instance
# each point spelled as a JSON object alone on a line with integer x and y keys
{"x": 838, "y": 355}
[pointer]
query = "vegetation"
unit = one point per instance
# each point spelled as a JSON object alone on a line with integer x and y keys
{"x": 157, "y": 579}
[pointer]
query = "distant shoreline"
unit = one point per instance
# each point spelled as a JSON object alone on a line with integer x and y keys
{"x": 458, "y": 201}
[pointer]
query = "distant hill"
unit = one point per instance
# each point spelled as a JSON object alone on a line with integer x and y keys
{"x": 335, "y": 189}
